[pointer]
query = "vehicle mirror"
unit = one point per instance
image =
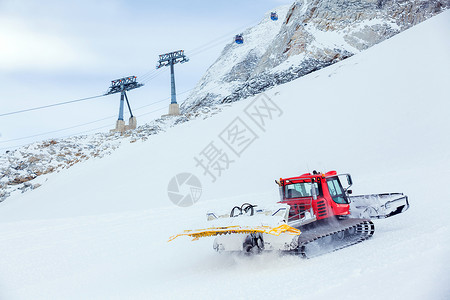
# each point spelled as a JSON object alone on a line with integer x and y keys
{"x": 281, "y": 193}
{"x": 349, "y": 179}
{"x": 349, "y": 192}
{"x": 313, "y": 192}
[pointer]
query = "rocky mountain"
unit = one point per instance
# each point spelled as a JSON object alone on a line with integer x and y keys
{"x": 309, "y": 35}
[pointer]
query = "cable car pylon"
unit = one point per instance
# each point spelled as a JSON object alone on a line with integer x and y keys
{"x": 170, "y": 59}
{"x": 121, "y": 86}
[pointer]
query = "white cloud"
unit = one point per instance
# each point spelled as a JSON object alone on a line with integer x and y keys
{"x": 22, "y": 47}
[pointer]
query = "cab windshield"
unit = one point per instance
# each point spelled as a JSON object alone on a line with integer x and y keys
{"x": 298, "y": 190}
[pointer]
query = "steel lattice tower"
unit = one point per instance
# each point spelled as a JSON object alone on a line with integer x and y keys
{"x": 170, "y": 59}
{"x": 121, "y": 86}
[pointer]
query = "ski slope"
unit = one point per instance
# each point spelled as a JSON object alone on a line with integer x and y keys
{"x": 99, "y": 230}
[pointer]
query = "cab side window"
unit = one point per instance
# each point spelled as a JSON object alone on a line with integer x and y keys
{"x": 336, "y": 191}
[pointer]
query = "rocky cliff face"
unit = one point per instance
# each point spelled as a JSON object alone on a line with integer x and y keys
{"x": 308, "y": 36}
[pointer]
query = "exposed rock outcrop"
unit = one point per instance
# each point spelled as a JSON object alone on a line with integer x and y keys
{"x": 309, "y": 35}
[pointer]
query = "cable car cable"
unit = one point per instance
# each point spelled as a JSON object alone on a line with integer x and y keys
{"x": 50, "y": 105}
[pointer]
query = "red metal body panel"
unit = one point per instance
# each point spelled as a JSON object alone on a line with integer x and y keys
{"x": 324, "y": 206}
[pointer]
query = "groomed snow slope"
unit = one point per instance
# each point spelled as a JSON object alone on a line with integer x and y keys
{"x": 99, "y": 230}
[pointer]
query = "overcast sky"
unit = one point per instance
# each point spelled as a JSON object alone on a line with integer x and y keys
{"x": 55, "y": 51}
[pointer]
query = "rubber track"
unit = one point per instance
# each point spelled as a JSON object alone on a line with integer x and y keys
{"x": 324, "y": 239}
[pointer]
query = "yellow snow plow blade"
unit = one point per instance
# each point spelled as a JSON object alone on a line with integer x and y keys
{"x": 213, "y": 231}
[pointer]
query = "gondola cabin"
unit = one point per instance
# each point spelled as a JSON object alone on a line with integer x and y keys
{"x": 239, "y": 39}
{"x": 273, "y": 16}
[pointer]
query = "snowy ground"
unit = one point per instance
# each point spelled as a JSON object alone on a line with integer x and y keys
{"x": 100, "y": 229}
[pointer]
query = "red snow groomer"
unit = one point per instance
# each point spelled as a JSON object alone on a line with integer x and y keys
{"x": 316, "y": 214}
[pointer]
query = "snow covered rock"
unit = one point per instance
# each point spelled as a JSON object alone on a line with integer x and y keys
{"x": 21, "y": 169}
{"x": 309, "y": 35}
